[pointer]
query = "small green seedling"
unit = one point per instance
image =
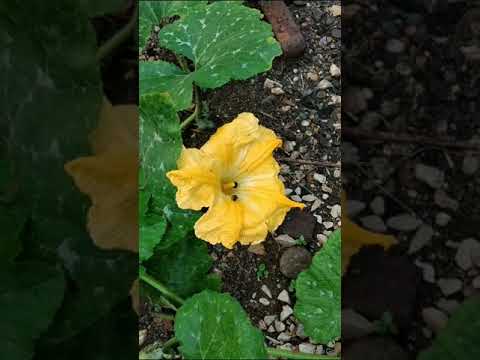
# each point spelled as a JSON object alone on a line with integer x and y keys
{"x": 301, "y": 241}
{"x": 262, "y": 271}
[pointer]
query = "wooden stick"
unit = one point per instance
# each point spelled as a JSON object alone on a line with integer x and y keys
{"x": 311, "y": 162}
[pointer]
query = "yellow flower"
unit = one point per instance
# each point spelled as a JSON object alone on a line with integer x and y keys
{"x": 234, "y": 175}
{"x": 354, "y": 238}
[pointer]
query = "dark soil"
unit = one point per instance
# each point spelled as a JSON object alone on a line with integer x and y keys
{"x": 429, "y": 87}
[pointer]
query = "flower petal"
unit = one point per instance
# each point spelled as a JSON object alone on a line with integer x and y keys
{"x": 222, "y": 223}
{"x": 196, "y": 180}
{"x": 253, "y": 235}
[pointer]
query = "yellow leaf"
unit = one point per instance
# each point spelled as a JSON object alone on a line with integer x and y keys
{"x": 354, "y": 238}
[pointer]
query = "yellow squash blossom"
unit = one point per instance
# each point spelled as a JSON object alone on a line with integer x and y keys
{"x": 109, "y": 178}
{"x": 354, "y": 238}
{"x": 234, "y": 175}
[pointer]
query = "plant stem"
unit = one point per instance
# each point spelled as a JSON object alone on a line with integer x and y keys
{"x": 165, "y": 316}
{"x": 160, "y": 287}
{"x": 182, "y": 63}
{"x": 280, "y": 353}
{"x": 119, "y": 37}
{"x": 169, "y": 343}
{"x": 193, "y": 115}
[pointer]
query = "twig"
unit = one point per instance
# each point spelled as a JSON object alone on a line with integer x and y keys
{"x": 119, "y": 37}
{"x": 286, "y": 354}
{"x": 169, "y": 343}
{"x": 311, "y": 162}
{"x": 408, "y": 138}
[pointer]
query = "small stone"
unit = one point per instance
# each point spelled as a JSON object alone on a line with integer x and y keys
{"x": 449, "y": 306}
{"x": 294, "y": 260}
{"x": 403, "y": 222}
{"x": 270, "y": 84}
{"x": 354, "y": 325}
{"x": 444, "y": 201}
{"x": 301, "y": 332}
{"x": 262, "y": 325}
{"x": 277, "y": 91}
{"x": 449, "y": 286}
{"x": 435, "y": 319}
{"x": 335, "y": 70}
{"x": 288, "y": 191}
{"x": 354, "y": 207}
{"x": 286, "y": 312}
{"x": 285, "y": 240}
{"x": 305, "y": 123}
{"x": 324, "y": 84}
{"x": 468, "y": 249}
{"x": 476, "y": 282}
{"x": 142, "y": 335}
{"x": 296, "y": 198}
{"x": 312, "y": 76}
{"x": 285, "y": 108}
{"x": 264, "y": 301}
{"x": 470, "y": 165}
{"x": 298, "y": 190}
{"x": 378, "y": 205}
{"x": 322, "y": 179}
{"x": 271, "y": 329}
{"x": 258, "y": 249}
{"x": 442, "y": 219}
{"x": 316, "y": 204}
{"x": 428, "y": 271}
{"x": 306, "y": 348}
{"x": 279, "y": 326}
{"x": 284, "y": 337}
{"x": 336, "y": 211}
{"x": 269, "y": 319}
{"x": 430, "y": 175}
{"x": 289, "y": 146}
{"x": 309, "y": 198}
{"x": 374, "y": 223}
{"x": 395, "y": 46}
{"x": 422, "y": 237}
{"x": 266, "y": 290}
{"x": 328, "y": 224}
{"x": 284, "y": 296}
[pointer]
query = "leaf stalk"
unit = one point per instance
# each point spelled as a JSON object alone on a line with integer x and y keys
{"x": 162, "y": 288}
{"x": 286, "y": 354}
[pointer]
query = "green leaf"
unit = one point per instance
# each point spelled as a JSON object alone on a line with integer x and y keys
{"x": 160, "y": 145}
{"x": 152, "y": 12}
{"x": 12, "y": 222}
{"x": 30, "y": 294}
{"x": 318, "y": 292}
{"x": 49, "y": 64}
{"x": 161, "y": 76}
{"x": 152, "y": 229}
{"x": 459, "y": 340}
{"x": 225, "y": 41}
{"x": 182, "y": 267}
{"x": 98, "y": 8}
{"x": 214, "y": 326}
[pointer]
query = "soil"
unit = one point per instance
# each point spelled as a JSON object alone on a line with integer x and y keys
{"x": 307, "y": 119}
{"x": 406, "y": 71}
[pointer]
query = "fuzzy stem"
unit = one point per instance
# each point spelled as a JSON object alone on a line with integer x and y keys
{"x": 280, "y": 353}
{"x": 119, "y": 37}
{"x": 160, "y": 287}
{"x": 195, "y": 113}
{"x": 169, "y": 343}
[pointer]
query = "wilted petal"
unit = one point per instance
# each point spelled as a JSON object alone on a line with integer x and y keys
{"x": 222, "y": 223}
{"x": 196, "y": 180}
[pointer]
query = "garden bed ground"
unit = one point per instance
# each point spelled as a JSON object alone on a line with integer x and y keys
{"x": 405, "y": 72}
{"x": 300, "y": 100}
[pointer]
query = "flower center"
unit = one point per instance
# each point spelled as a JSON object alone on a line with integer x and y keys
{"x": 228, "y": 188}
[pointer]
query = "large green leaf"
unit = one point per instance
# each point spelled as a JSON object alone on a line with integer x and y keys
{"x": 318, "y": 293}
{"x": 459, "y": 340}
{"x": 48, "y": 64}
{"x": 225, "y": 41}
{"x": 152, "y": 12}
{"x": 152, "y": 228}
{"x": 214, "y": 326}
{"x": 30, "y": 294}
{"x": 182, "y": 267}
{"x": 163, "y": 76}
